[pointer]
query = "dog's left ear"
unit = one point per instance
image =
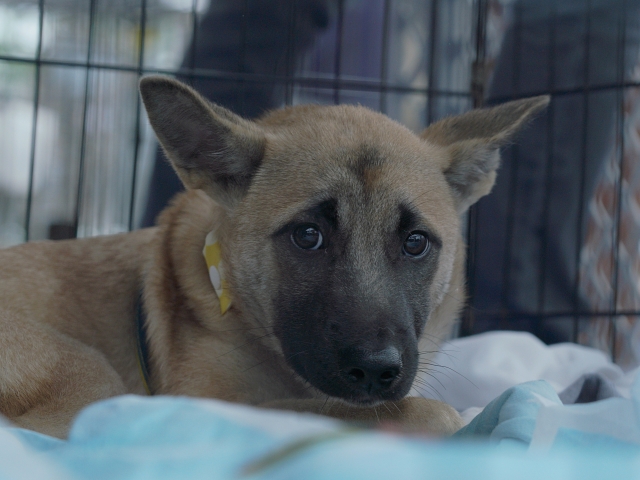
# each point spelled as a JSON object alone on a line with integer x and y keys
{"x": 473, "y": 141}
{"x": 210, "y": 147}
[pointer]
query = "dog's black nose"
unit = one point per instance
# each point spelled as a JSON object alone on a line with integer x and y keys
{"x": 372, "y": 371}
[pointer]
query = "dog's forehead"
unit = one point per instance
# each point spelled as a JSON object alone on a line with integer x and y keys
{"x": 343, "y": 126}
{"x": 366, "y": 162}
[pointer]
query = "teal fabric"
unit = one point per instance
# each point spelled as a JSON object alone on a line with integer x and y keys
{"x": 510, "y": 419}
{"x": 572, "y": 438}
{"x": 135, "y": 438}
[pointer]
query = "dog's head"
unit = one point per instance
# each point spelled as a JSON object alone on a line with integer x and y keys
{"x": 342, "y": 227}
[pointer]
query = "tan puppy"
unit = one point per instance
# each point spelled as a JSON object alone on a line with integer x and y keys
{"x": 339, "y": 234}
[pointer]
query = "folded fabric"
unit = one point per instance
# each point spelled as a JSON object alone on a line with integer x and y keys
{"x": 613, "y": 421}
{"x": 532, "y": 415}
{"x": 590, "y": 387}
{"x": 511, "y": 418}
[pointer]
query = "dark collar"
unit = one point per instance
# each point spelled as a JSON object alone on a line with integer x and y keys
{"x": 142, "y": 352}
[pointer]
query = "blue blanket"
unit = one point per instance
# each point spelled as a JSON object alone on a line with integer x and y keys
{"x": 134, "y": 437}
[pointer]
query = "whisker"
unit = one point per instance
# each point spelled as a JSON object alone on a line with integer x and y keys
{"x": 333, "y": 404}
{"x": 444, "y": 352}
{"x": 439, "y": 339}
{"x": 419, "y": 392}
{"x": 425, "y": 370}
{"x": 424, "y": 385}
{"x": 434, "y": 377}
{"x": 454, "y": 371}
{"x": 324, "y": 404}
{"x": 348, "y": 409}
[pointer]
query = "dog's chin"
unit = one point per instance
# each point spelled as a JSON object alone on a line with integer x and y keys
{"x": 359, "y": 399}
{"x": 364, "y": 403}
{"x": 340, "y": 390}
{"x": 336, "y": 388}
{"x": 364, "y": 400}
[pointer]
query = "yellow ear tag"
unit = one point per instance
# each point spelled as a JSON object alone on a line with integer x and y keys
{"x": 213, "y": 258}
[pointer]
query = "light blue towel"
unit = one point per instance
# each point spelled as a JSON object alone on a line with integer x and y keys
{"x": 511, "y": 418}
{"x": 134, "y": 437}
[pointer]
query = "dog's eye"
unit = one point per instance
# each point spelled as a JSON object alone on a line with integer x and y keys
{"x": 416, "y": 245}
{"x": 307, "y": 237}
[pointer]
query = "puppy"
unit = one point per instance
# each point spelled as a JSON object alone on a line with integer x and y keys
{"x": 313, "y": 250}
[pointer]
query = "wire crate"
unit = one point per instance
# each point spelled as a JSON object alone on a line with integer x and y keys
{"x": 554, "y": 250}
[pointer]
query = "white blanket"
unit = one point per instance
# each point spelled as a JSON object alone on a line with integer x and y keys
{"x": 472, "y": 371}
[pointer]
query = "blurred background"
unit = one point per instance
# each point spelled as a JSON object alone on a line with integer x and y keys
{"x": 554, "y": 250}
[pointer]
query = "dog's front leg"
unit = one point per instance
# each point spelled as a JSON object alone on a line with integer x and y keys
{"x": 411, "y": 413}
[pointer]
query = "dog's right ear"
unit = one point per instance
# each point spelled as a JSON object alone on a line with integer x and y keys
{"x": 210, "y": 147}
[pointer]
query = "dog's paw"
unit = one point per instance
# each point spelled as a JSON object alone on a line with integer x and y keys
{"x": 411, "y": 414}
{"x": 425, "y": 416}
